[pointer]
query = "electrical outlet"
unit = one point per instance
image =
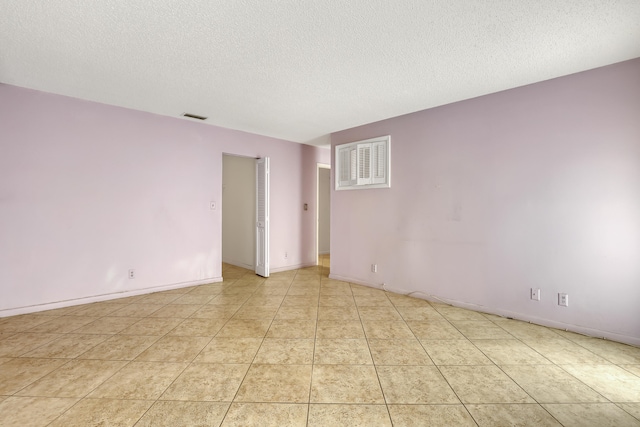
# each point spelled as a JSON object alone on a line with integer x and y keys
{"x": 374, "y": 268}
{"x": 286, "y": 255}
{"x": 563, "y": 300}
{"x": 132, "y": 274}
{"x": 535, "y": 294}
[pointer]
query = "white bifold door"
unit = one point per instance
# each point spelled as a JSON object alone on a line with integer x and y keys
{"x": 262, "y": 217}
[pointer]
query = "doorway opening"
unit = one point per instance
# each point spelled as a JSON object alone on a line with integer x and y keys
{"x": 239, "y": 211}
{"x": 323, "y": 215}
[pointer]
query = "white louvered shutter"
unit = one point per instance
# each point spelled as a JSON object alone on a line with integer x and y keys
{"x": 364, "y": 164}
{"x": 379, "y": 162}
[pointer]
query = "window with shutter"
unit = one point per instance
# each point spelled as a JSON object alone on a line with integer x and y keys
{"x": 363, "y": 164}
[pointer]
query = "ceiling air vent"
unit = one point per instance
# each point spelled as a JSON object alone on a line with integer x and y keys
{"x": 194, "y": 116}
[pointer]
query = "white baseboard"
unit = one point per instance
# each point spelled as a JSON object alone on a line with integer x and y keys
{"x": 104, "y": 297}
{"x": 597, "y": 333}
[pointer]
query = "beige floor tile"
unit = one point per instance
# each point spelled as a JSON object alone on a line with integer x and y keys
{"x": 415, "y": 385}
{"x": 193, "y": 299}
{"x": 16, "y": 374}
{"x": 293, "y": 329}
{"x": 21, "y": 343}
{"x": 369, "y": 313}
{"x": 107, "y": 325}
{"x": 430, "y": 415}
{"x": 322, "y": 415}
{"x": 274, "y": 288}
{"x": 139, "y": 380}
{"x": 337, "y": 300}
{"x": 634, "y": 369}
{"x": 617, "y": 353}
{"x": 564, "y": 352}
{"x": 460, "y": 314}
{"x": 434, "y": 330}
{"x": 379, "y": 300}
{"x": 119, "y": 347}
{"x": 276, "y": 383}
{"x": 174, "y": 349}
{"x": 63, "y": 311}
{"x": 285, "y": 351}
{"x": 631, "y": 408}
{"x": 32, "y": 411}
{"x": 398, "y": 352}
{"x": 151, "y": 327}
{"x": 256, "y": 332}
{"x": 551, "y": 384}
{"x": 211, "y": 289}
{"x": 23, "y": 322}
{"x": 241, "y": 328}
{"x": 613, "y": 382}
{"x": 342, "y": 352}
{"x": 159, "y": 298}
{"x": 335, "y": 283}
{"x": 74, "y": 379}
{"x": 297, "y": 313}
{"x": 180, "y": 291}
{"x": 229, "y": 350}
{"x": 484, "y": 384}
{"x": 407, "y": 301}
{"x": 365, "y": 290}
{"x": 250, "y": 281}
{"x": 345, "y": 384}
{"x": 4, "y": 335}
{"x": 481, "y": 330}
{"x": 68, "y": 346}
{"x": 103, "y": 412}
{"x": 255, "y": 312}
{"x": 419, "y": 313}
{"x": 338, "y": 313}
{"x": 264, "y": 299}
{"x": 219, "y": 312}
{"x": 207, "y": 382}
{"x": 134, "y": 299}
{"x": 300, "y": 300}
{"x": 455, "y": 352}
{"x": 526, "y": 331}
{"x": 591, "y": 415}
{"x": 297, "y": 290}
{"x": 178, "y": 311}
{"x": 390, "y": 329}
{"x": 329, "y": 289}
{"x": 266, "y": 415}
{"x": 198, "y": 327}
{"x": 340, "y": 329}
{"x": 510, "y": 352}
{"x": 63, "y": 324}
{"x": 238, "y": 293}
{"x": 512, "y": 415}
{"x": 98, "y": 309}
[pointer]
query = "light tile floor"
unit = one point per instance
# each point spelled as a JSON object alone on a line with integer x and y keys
{"x": 301, "y": 349}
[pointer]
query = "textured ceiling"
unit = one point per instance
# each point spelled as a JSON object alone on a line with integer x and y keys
{"x": 299, "y": 70}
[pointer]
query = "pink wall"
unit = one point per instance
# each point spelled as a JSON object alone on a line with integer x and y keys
{"x": 89, "y": 191}
{"x": 537, "y": 186}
